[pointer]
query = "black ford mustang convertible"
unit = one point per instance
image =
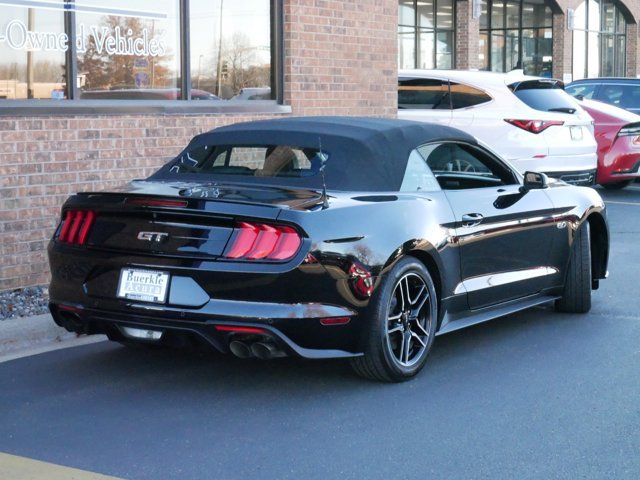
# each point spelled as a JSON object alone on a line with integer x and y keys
{"x": 324, "y": 237}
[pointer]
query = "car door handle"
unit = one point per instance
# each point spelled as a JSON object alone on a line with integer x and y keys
{"x": 471, "y": 219}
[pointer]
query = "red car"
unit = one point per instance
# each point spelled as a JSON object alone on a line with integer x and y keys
{"x": 617, "y": 132}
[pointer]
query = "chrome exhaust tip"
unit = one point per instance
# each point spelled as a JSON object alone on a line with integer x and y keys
{"x": 240, "y": 349}
{"x": 266, "y": 351}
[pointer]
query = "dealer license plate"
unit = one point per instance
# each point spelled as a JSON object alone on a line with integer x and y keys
{"x": 143, "y": 285}
{"x": 576, "y": 133}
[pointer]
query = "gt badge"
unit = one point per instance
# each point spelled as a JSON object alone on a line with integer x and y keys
{"x": 155, "y": 237}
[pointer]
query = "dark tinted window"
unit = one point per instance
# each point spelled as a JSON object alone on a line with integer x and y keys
{"x": 584, "y": 90}
{"x": 459, "y": 166}
{"x": 542, "y": 95}
{"x": 623, "y": 96}
{"x": 425, "y": 94}
{"x": 463, "y": 96}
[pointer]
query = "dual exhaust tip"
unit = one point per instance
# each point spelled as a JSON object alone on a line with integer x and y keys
{"x": 261, "y": 350}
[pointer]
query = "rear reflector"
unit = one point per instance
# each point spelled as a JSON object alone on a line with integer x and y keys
{"x": 534, "y": 126}
{"x": 335, "y": 321}
{"x": 260, "y": 241}
{"x": 76, "y": 226}
{"x": 156, "y": 202}
{"x": 240, "y": 329}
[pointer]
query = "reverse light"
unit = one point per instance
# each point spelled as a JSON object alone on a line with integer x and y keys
{"x": 534, "y": 126}
{"x": 76, "y": 226}
{"x": 261, "y": 241}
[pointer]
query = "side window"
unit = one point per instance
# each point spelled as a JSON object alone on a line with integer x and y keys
{"x": 463, "y": 96}
{"x": 623, "y": 96}
{"x": 611, "y": 94}
{"x": 460, "y": 166}
{"x": 584, "y": 90}
{"x": 417, "y": 176}
{"x": 423, "y": 94}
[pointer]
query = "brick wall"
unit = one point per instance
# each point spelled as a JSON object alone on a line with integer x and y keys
{"x": 340, "y": 58}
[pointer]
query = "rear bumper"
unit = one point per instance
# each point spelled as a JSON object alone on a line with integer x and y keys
{"x": 186, "y": 327}
{"x": 620, "y": 163}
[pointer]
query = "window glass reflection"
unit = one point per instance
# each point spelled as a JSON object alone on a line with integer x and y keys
{"x": 425, "y": 34}
{"x": 128, "y": 50}
{"x": 231, "y": 48}
{"x": 32, "y": 54}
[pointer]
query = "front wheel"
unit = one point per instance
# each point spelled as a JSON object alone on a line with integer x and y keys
{"x": 617, "y": 185}
{"x": 403, "y": 317}
{"x": 576, "y": 297}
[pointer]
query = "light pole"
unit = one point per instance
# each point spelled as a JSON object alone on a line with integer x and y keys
{"x": 199, "y": 70}
{"x": 219, "y": 69}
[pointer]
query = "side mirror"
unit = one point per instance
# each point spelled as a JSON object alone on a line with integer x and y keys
{"x": 534, "y": 181}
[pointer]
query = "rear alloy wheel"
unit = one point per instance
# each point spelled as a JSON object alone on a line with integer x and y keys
{"x": 576, "y": 297}
{"x": 403, "y": 324}
{"x": 617, "y": 185}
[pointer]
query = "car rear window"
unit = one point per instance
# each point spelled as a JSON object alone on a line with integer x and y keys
{"x": 547, "y": 96}
{"x": 254, "y": 161}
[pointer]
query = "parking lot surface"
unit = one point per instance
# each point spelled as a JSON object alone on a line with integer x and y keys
{"x": 532, "y": 395}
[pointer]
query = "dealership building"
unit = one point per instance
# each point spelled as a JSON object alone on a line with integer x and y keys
{"x": 96, "y": 93}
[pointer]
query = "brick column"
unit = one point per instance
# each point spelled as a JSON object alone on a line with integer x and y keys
{"x": 632, "y": 50}
{"x": 467, "y": 36}
{"x": 341, "y": 57}
{"x": 562, "y": 46}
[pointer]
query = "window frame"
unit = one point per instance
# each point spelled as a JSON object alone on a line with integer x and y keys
{"x": 490, "y": 30}
{"x": 73, "y": 105}
{"x": 417, "y": 29}
{"x": 602, "y": 34}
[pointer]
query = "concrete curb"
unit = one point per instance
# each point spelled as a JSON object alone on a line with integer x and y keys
{"x": 35, "y": 334}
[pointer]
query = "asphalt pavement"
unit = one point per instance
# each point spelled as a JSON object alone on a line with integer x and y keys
{"x": 533, "y": 395}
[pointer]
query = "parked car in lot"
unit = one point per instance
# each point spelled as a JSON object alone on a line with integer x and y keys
{"x": 620, "y": 92}
{"x": 145, "y": 94}
{"x": 530, "y": 121}
{"x": 617, "y": 132}
{"x": 324, "y": 237}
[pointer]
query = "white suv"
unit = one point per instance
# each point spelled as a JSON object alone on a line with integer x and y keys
{"x": 530, "y": 121}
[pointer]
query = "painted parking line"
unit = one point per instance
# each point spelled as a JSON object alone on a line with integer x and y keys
{"x": 637, "y": 204}
{"x": 21, "y": 468}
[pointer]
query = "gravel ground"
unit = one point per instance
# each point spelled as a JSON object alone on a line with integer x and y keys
{"x": 24, "y": 302}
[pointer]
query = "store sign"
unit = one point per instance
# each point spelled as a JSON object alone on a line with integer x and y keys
{"x": 114, "y": 41}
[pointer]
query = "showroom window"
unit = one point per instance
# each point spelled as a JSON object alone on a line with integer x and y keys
{"x": 426, "y": 34}
{"x": 140, "y": 50}
{"x": 599, "y": 40}
{"x": 516, "y": 34}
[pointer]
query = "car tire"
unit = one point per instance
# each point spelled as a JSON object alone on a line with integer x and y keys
{"x": 576, "y": 297}
{"x": 401, "y": 331}
{"x": 617, "y": 185}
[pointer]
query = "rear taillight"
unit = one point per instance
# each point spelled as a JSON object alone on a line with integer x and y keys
{"x": 76, "y": 226}
{"x": 631, "y": 130}
{"x": 261, "y": 241}
{"x": 534, "y": 126}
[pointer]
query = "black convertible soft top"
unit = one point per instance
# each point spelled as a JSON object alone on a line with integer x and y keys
{"x": 365, "y": 154}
